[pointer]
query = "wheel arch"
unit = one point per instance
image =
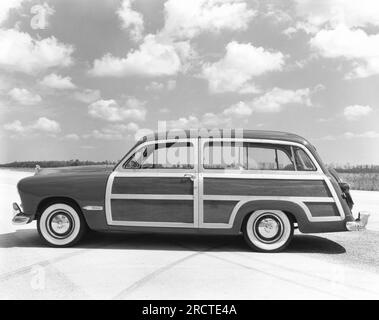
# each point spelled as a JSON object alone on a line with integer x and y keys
{"x": 293, "y": 210}
{"x": 46, "y": 202}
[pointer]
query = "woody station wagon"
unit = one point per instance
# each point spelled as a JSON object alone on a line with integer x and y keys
{"x": 263, "y": 184}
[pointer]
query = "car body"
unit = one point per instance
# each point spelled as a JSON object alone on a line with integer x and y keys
{"x": 261, "y": 183}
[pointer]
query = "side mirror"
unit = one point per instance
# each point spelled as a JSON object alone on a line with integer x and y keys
{"x": 134, "y": 164}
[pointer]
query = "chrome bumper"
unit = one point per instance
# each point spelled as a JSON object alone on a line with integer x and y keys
{"x": 18, "y": 215}
{"x": 359, "y": 224}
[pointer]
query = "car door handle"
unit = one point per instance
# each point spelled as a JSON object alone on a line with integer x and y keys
{"x": 189, "y": 176}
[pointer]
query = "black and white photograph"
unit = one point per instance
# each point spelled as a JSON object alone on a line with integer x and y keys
{"x": 189, "y": 150}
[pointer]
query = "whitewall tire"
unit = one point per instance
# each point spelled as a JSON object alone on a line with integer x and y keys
{"x": 268, "y": 230}
{"x": 61, "y": 225}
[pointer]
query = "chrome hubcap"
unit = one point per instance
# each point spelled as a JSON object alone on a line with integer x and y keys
{"x": 268, "y": 228}
{"x": 60, "y": 224}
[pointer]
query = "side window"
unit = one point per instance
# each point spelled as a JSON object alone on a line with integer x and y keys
{"x": 261, "y": 158}
{"x": 173, "y": 155}
{"x": 251, "y": 156}
{"x": 269, "y": 157}
{"x": 285, "y": 160}
{"x": 303, "y": 163}
{"x": 224, "y": 155}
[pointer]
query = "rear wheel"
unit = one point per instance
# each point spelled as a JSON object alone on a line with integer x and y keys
{"x": 268, "y": 230}
{"x": 61, "y": 225}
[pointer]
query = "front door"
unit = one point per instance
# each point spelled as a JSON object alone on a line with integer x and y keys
{"x": 157, "y": 186}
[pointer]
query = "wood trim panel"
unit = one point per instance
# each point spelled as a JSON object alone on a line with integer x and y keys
{"x": 266, "y": 187}
{"x": 152, "y": 210}
{"x": 216, "y": 211}
{"x": 152, "y": 185}
{"x": 322, "y": 209}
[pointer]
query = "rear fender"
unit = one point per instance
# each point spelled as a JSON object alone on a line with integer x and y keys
{"x": 295, "y": 212}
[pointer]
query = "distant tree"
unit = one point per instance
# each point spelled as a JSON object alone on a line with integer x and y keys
{"x": 54, "y": 163}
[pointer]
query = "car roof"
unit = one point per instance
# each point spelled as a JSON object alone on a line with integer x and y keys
{"x": 226, "y": 133}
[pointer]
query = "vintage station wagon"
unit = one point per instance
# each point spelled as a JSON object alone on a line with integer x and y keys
{"x": 263, "y": 184}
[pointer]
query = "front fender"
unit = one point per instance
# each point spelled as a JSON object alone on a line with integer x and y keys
{"x": 83, "y": 188}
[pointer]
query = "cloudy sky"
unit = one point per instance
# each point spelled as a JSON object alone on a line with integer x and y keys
{"x": 79, "y": 78}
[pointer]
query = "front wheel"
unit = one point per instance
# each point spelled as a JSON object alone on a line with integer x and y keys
{"x": 61, "y": 225}
{"x": 268, "y": 230}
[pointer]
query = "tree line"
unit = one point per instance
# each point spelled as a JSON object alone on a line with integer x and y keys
{"x": 55, "y": 163}
{"x": 359, "y": 168}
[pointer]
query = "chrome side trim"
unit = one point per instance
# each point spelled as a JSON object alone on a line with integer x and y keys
{"x": 93, "y": 208}
{"x": 252, "y": 198}
{"x": 152, "y": 196}
{"x": 152, "y": 224}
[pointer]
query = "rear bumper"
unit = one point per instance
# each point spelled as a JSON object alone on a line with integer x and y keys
{"x": 19, "y": 217}
{"x": 358, "y": 224}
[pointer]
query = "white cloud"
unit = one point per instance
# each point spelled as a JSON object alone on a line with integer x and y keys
{"x": 353, "y": 45}
{"x": 332, "y": 13}
{"x": 114, "y": 132}
{"x": 272, "y": 101}
{"x": 6, "y": 6}
{"x": 42, "y": 125}
{"x": 56, "y": 81}
{"x": 240, "y": 109}
{"x": 15, "y": 126}
{"x": 46, "y": 125}
{"x": 241, "y": 63}
{"x": 131, "y": 20}
{"x": 355, "y": 112}
{"x": 275, "y": 99}
{"x": 24, "y": 96}
{"x": 87, "y": 95}
{"x": 153, "y": 58}
{"x": 337, "y": 28}
{"x": 187, "y": 19}
{"x": 20, "y": 52}
{"x": 109, "y": 110}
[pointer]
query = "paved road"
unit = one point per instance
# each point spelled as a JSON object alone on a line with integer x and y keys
{"x": 135, "y": 266}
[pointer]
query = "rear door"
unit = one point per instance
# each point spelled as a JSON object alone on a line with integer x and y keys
{"x": 157, "y": 186}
